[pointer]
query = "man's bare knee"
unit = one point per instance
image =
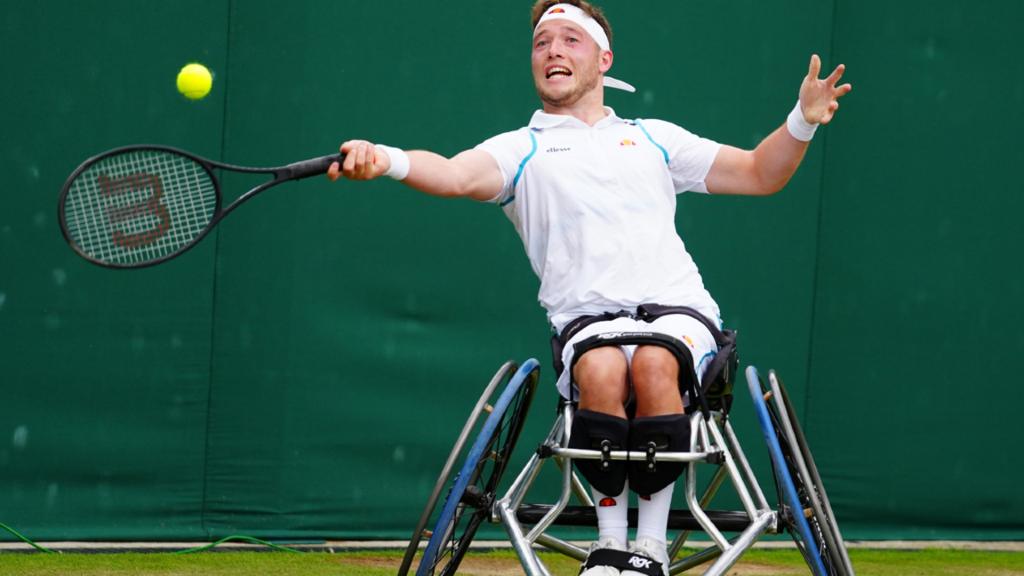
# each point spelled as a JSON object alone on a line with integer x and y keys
{"x": 654, "y": 364}
{"x": 655, "y": 375}
{"x": 601, "y": 375}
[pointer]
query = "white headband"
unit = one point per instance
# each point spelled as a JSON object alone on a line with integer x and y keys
{"x": 577, "y": 16}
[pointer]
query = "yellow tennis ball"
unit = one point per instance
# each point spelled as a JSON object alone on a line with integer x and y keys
{"x": 194, "y": 81}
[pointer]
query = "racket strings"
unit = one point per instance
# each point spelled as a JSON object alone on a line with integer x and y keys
{"x": 139, "y": 206}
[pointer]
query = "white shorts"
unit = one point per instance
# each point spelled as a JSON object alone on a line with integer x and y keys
{"x": 684, "y": 328}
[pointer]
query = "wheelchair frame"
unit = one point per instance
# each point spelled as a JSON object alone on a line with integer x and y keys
{"x": 473, "y": 496}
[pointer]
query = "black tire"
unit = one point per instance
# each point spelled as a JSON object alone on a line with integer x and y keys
{"x": 483, "y": 406}
{"x": 791, "y": 501}
{"x": 808, "y": 482}
{"x": 469, "y": 501}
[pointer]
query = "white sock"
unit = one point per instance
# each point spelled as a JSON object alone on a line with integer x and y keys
{"x": 652, "y": 515}
{"x": 612, "y": 515}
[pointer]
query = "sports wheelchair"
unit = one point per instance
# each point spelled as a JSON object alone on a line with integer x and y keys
{"x": 472, "y": 496}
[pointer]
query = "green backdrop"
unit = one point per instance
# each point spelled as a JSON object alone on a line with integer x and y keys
{"x": 304, "y": 371}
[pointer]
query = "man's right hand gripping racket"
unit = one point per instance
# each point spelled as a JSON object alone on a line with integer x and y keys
{"x": 142, "y": 205}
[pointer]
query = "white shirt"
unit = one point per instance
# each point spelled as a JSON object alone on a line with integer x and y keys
{"x": 595, "y": 208}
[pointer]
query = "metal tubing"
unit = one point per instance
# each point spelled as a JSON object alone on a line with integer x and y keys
{"x": 702, "y": 427}
{"x": 579, "y": 490}
{"x": 557, "y": 434}
{"x": 522, "y": 484}
{"x": 698, "y": 558}
{"x": 712, "y": 489}
{"x": 698, "y": 512}
{"x": 567, "y": 416}
{"x": 744, "y": 464}
{"x": 524, "y": 481}
{"x": 562, "y": 547}
{"x": 743, "y": 543}
{"x": 563, "y": 501}
{"x": 531, "y": 563}
{"x": 582, "y": 454}
{"x": 709, "y": 493}
{"x": 734, "y": 473}
{"x": 694, "y": 560}
{"x": 691, "y": 487}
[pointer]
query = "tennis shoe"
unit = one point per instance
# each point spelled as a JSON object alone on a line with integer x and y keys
{"x": 608, "y": 543}
{"x": 647, "y": 549}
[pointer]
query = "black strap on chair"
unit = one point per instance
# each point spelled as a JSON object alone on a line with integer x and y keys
{"x": 687, "y": 379}
{"x": 717, "y": 382}
{"x": 558, "y": 341}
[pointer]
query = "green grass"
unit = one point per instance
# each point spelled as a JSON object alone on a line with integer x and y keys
{"x": 754, "y": 563}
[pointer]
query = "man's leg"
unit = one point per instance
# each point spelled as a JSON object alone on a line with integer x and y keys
{"x": 656, "y": 382}
{"x": 660, "y": 419}
{"x": 602, "y": 377}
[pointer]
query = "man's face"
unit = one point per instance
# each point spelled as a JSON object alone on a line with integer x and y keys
{"x": 567, "y": 63}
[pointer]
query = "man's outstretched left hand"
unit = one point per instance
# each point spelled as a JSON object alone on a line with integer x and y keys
{"x": 819, "y": 98}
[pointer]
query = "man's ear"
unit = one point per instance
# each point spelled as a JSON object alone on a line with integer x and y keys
{"x": 604, "y": 62}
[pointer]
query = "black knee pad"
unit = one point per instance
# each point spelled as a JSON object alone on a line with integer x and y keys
{"x": 593, "y": 431}
{"x": 669, "y": 433}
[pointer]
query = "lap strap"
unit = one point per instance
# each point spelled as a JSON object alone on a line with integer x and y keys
{"x": 717, "y": 382}
{"x": 559, "y": 340}
{"x": 645, "y": 312}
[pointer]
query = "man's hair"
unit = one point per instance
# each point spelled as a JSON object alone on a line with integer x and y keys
{"x": 541, "y": 6}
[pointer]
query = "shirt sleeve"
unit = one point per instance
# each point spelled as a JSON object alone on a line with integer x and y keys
{"x": 508, "y": 150}
{"x": 690, "y": 157}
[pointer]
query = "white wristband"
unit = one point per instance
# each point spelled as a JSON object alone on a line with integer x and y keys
{"x": 399, "y": 162}
{"x": 800, "y": 128}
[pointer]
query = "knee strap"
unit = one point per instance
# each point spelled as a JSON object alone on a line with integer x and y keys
{"x": 597, "y": 431}
{"x": 670, "y": 433}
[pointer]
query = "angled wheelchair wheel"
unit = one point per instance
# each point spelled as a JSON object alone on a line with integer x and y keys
{"x": 811, "y": 531}
{"x": 473, "y": 491}
{"x": 809, "y": 484}
{"x": 484, "y": 406}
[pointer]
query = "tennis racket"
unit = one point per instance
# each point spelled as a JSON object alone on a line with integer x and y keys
{"x": 138, "y": 206}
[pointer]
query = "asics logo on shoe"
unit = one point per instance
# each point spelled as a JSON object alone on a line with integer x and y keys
{"x": 640, "y": 562}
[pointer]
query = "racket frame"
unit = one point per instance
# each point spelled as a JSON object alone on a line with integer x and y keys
{"x": 281, "y": 174}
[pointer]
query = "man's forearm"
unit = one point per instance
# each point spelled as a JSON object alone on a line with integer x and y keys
{"x": 434, "y": 174}
{"x": 471, "y": 173}
{"x": 776, "y": 159}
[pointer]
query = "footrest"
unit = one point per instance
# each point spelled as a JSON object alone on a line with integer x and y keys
{"x": 726, "y": 521}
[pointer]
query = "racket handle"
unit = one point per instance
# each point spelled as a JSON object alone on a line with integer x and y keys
{"x": 312, "y": 167}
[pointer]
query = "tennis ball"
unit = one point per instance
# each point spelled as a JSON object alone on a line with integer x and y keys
{"x": 194, "y": 81}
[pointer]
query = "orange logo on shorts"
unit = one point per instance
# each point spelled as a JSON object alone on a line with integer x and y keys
{"x": 627, "y": 142}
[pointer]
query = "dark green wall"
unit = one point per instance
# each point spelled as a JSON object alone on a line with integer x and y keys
{"x": 303, "y": 372}
{"x": 920, "y": 279}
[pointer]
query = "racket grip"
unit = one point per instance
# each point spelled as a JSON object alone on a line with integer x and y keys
{"x": 311, "y": 167}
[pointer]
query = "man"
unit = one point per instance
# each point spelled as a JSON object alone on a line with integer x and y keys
{"x": 593, "y": 198}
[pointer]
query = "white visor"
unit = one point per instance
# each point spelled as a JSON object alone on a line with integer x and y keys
{"x": 577, "y": 16}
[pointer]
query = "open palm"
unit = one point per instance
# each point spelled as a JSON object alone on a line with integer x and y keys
{"x": 819, "y": 98}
